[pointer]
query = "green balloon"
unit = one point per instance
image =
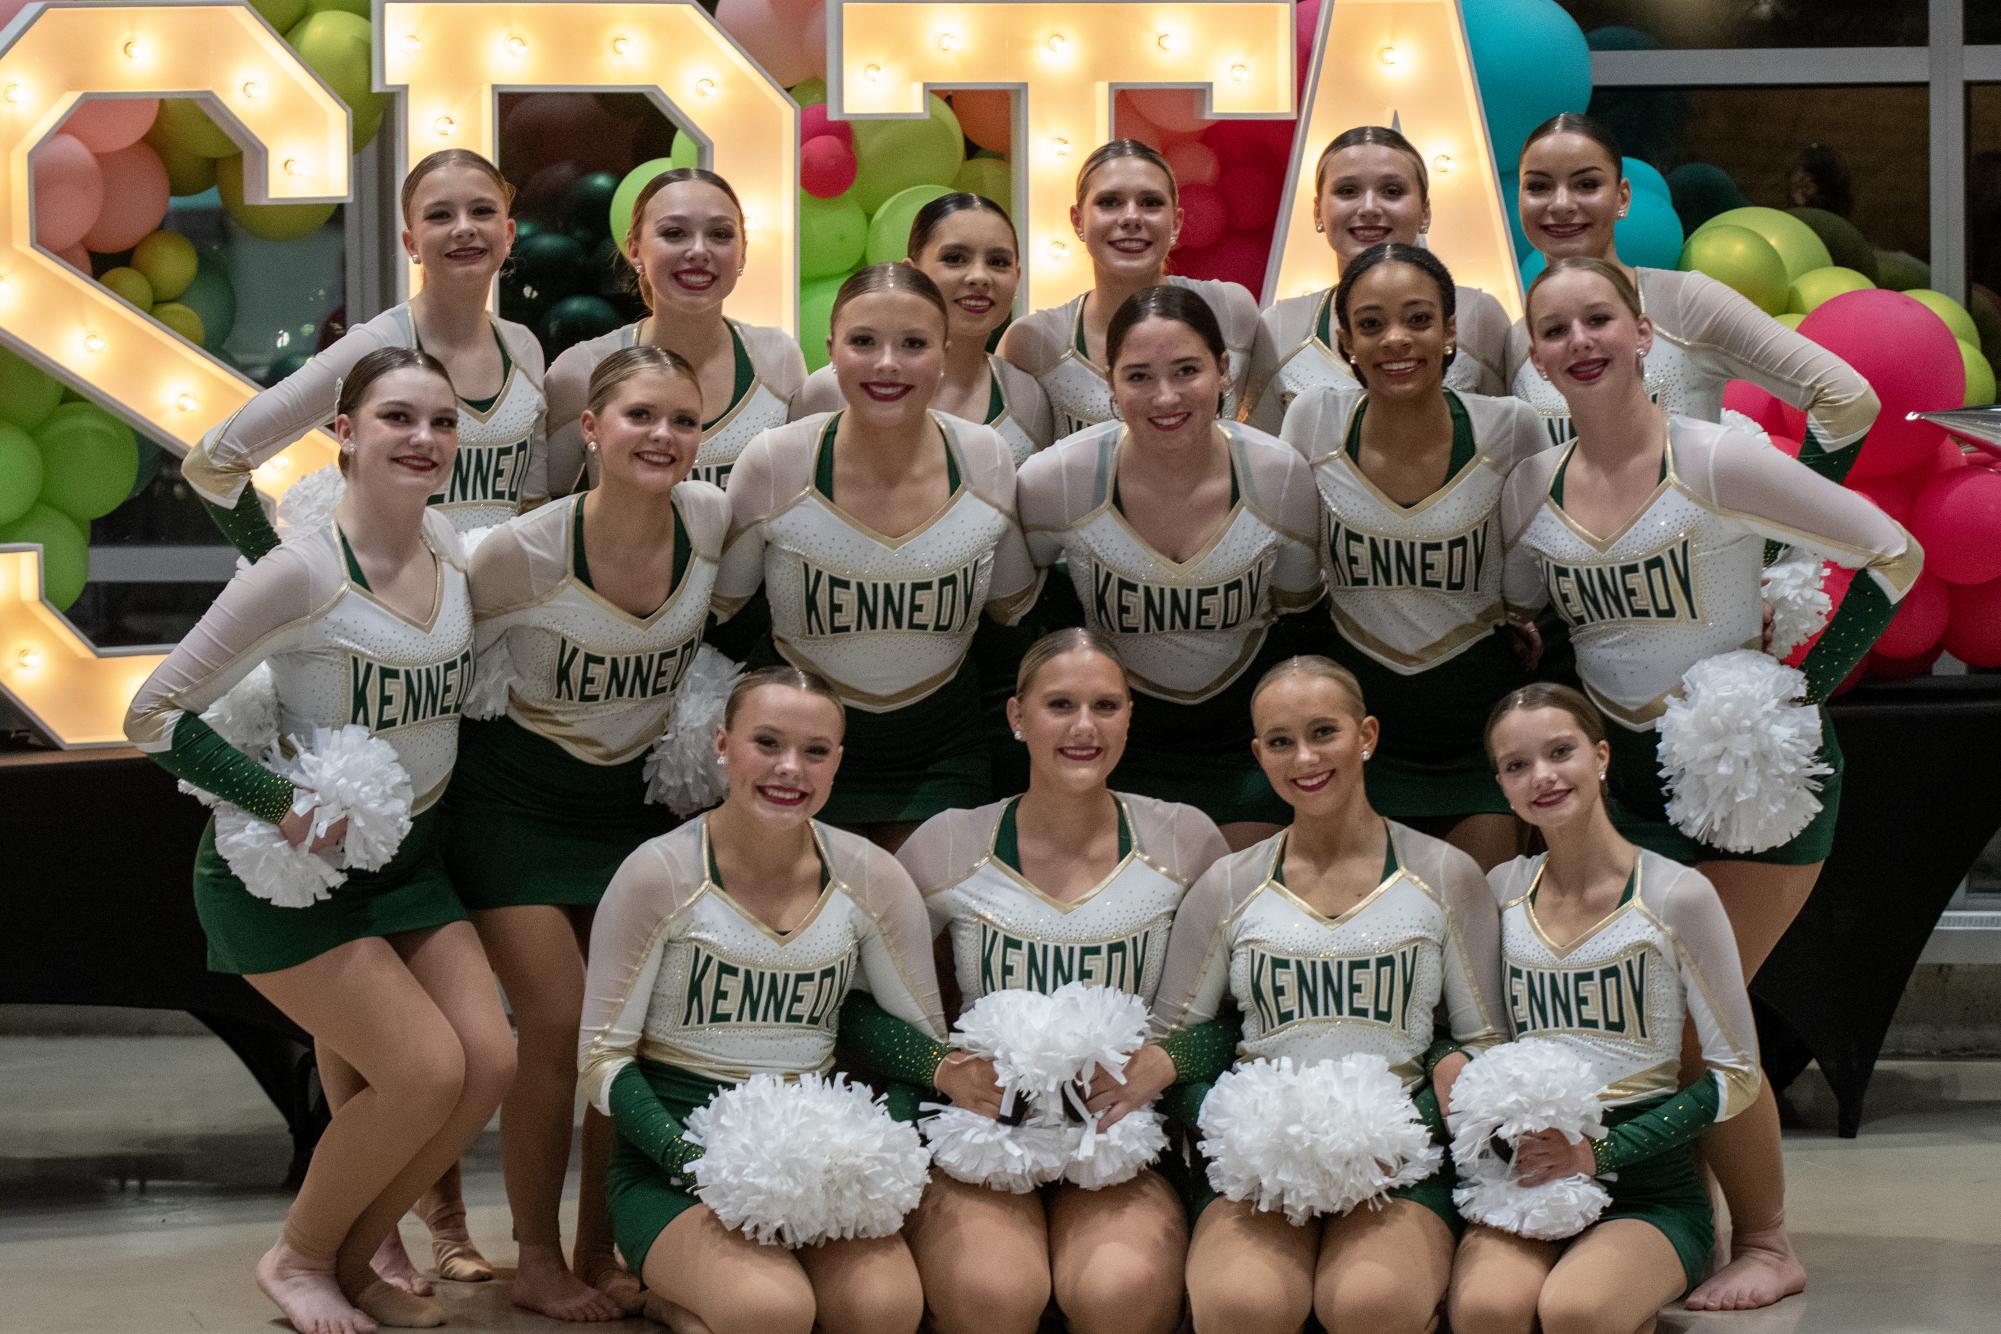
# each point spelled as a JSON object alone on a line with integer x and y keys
{"x": 337, "y": 44}
{"x": 129, "y": 285}
{"x": 1845, "y": 243}
{"x": 27, "y": 396}
{"x": 810, "y": 92}
{"x": 283, "y": 366}
{"x": 187, "y": 173}
{"x": 1739, "y": 258}
{"x": 627, "y": 194}
{"x": 991, "y": 177}
{"x": 185, "y": 126}
{"x": 182, "y": 321}
{"x": 588, "y": 199}
{"x": 89, "y": 460}
{"x": 169, "y": 262}
{"x": 1954, "y": 314}
{"x": 889, "y": 229}
{"x": 1790, "y": 318}
{"x": 272, "y": 222}
{"x": 1979, "y": 376}
{"x": 1986, "y": 313}
{"x": 212, "y": 297}
{"x": 280, "y": 14}
{"x": 360, "y": 7}
{"x": 1796, "y": 243}
{"x": 65, "y": 552}
{"x": 1816, "y": 286}
{"x": 20, "y": 472}
{"x": 893, "y": 155}
{"x": 1899, "y": 272}
{"x": 553, "y": 264}
{"x": 833, "y": 234}
{"x": 575, "y": 318}
{"x": 816, "y": 317}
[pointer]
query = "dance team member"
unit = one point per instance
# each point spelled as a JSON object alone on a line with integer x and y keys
{"x": 1186, "y": 536}
{"x": 1126, "y": 216}
{"x": 592, "y": 607}
{"x": 1371, "y": 188}
{"x": 1404, "y": 921}
{"x": 1573, "y": 193}
{"x": 1071, "y": 881}
{"x": 1647, "y": 534}
{"x": 686, "y": 247}
{"x": 1592, "y": 908}
{"x": 880, "y": 533}
{"x": 386, "y": 973}
{"x": 753, "y": 899}
{"x": 457, "y": 229}
{"x": 1409, "y": 473}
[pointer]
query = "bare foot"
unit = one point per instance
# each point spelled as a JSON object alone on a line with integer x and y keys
{"x": 392, "y": 1265}
{"x": 1763, "y": 1269}
{"x": 543, "y": 1283}
{"x": 602, "y": 1271}
{"x": 392, "y": 1306}
{"x": 309, "y": 1297}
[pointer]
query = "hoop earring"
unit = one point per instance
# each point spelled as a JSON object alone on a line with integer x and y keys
{"x": 1117, "y": 416}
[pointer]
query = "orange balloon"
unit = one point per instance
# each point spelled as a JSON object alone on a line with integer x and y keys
{"x": 986, "y": 115}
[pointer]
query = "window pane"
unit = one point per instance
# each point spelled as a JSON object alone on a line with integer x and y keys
{"x": 1684, "y": 25}
{"x": 1983, "y": 213}
{"x": 1983, "y": 22}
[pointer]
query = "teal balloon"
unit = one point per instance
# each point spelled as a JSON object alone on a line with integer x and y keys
{"x": 282, "y": 367}
{"x": 1846, "y": 245}
{"x": 1646, "y": 176}
{"x": 27, "y": 396}
{"x": 553, "y": 265}
{"x": 149, "y": 465}
{"x": 832, "y": 235}
{"x": 816, "y": 316}
{"x": 1649, "y": 236}
{"x": 1531, "y": 61}
{"x": 893, "y": 155}
{"x": 1534, "y": 264}
{"x": 89, "y": 461}
{"x": 1511, "y": 200}
{"x": 586, "y": 202}
{"x": 889, "y": 229}
{"x": 213, "y": 297}
{"x": 1700, "y": 191}
{"x": 20, "y": 472}
{"x": 575, "y": 318}
{"x": 65, "y": 551}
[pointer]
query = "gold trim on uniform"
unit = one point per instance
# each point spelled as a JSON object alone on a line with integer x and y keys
{"x": 1449, "y": 645}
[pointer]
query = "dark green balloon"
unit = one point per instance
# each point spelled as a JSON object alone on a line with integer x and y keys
{"x": 1701, "y": 190}
{"x": 1844, "y": 241}
{"x": 551, "y": 265}
{"x": 586, "y": 205}
{"x": 149, "y": 465}
{"x": 282, "y": 366}
{"x": 525, "y": 228}
{"x": 1901, "y": 272}
{"x": 213, "y": 297}
{"x": 575, "y": 318}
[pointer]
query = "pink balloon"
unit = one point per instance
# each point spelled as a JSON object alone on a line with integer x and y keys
{"x": 1951, "y": 455}
{"x": 814, "y": 122}
{"x": 826, "y": 166}
{"x": 986, "y": 115}
{"x": 773, "y": 40}
{"x": 1920, "y": 619}
{"x": 813, "y": 40}
{"x": 1194, "y": 163}
{"x": 1908, "y": 356}
{"x": 69, "y": 191}
{"x": 1252, "y": 196}
{"x": 106, "y": 124}
{"x": 135, "y": 199}
{"x": 1900, "y": 669}
{"x": 1305, "y": 19}
{"x": 1130, "y": 124}
{"x": 1893, "y": 494}
{"x": 1244, "y": 143}
{"x": 1204, "y": 219}
{"x": 1973, "y": 629}
{"x": 1834, "y": 582}
{"x": 1957, "y": 516}
{"x": 76, "y": 257}
{"x": 1790, "y": 448}
{"x": 1176, "y": 109}
{"x": 1761, "y": 407}
{"x": 1237, "y": 258}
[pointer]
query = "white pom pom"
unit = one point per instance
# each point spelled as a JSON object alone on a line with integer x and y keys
{"x": 801, "y": 1163}
{"x": 470, "y": 539}
{"x": 1738, "y": 755}
{"x": 269, "y": 867}
{"x": 1515, "y": 1089}
{"x": 1737, "y": 421}
{"x": 308, "y": 504}
{"x": 1800, "y": 606}
{"x": 1315, "y": 1140}
{"x": 1119, "y": 1153}
{"x": 493, "y": 677}
{"x": 681, "y": 770}
{"x": 246, "y": 717}
{"x": 981, "y": 1151}
{"x": 356, "y": 777}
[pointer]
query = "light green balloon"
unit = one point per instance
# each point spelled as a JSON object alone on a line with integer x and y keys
{"x": 816, "y": 317}
{"x": 20, "y": 472}
{"x": 357, "y": 7}
{"x": 1797, "y": 244}
{"x": 889, "y": 229}
{"x": 187, "y": 127}
{"x": 1955, "y": 315}
{"x": 1741, "y": 259}
{"x": 685, "y": 154}
{"x": 169, "y": 262}
{"x": 1790, "y": 318}
{"x": 188, "y": 173}
{"x": 336, "y": 43}
{"x": 1979, "y": 376}
{"x": 27, "y": 396}
{"x": 280, "y": 14}
{"x": 271, "y": 222}
{"x": 89, "y": 461}
{"x": 182, "y": 320}
{"x": 65, "y": 552}
{"x": 810, "y": 92}
{"x": 988, "y": 176}
{"x": 1815, "y": 286}
{"x": 893, "y": 155}
{"x": 129, "y": 285}
{"x": 833, "y": 234}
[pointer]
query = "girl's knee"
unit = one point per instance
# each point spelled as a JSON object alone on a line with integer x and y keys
{"x": 1121, "y": 1297}
{"x": 885, "y": 1305}
{"x": 768, "y": 1307}
{"x": 1487, "y": 1309}
{"x": 1223, "y": 1306}
{"x": 1577, "y": 1308}
{"x": 990, "y": 1299}
{"x": 1376, "y": 1300}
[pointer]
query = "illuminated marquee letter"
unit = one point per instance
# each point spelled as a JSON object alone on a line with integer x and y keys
{"x": 1401, "y": 62}
{"x": 295, "y": 138}
{"x": 453, "y": 56}
{"x": 1064, "y": 61}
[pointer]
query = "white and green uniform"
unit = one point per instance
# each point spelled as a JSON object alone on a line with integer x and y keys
{"x": 888, "y": 620}
{"x": 1415, "y": 592}
{"x": 1194, "y": 635}
{"x": 550, "y": 798}
{"x": 1679, "y": 582}
{"x": 769, "y": 371}
{"x": 338, "y": 655}
{"x": 1618, "y": 995}
{"x": 1706, "y": 335}
{"x": 500, "y": 468}
{"x": 1299, "y": 352}
{"x": 687, "y": 993}
{"x": 1050, "y": 346}
{"x": 1016, "y": 411}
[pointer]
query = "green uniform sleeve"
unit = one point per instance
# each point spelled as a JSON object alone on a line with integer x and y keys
{"x": 640, "y": 1116}
{"x": 200, "y": 756}
{"x": 1678, "y": 1121}
{"x": 1203, "y": 1051}
{"x": 1864, "y": 613}
{"x": 1181, "y": 1104}
{"x": 746, "y": 636}
{"x": 1435, "y": 1055}
{"x": 245, "y": 524}
{"x": 888, "y": 1048}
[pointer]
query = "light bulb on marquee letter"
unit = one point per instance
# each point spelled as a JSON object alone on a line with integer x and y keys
{"x": 884, "y": 54}
{"x": 1365, "y": 56}
{"x": 53, "y": 56}
{"x": 451, "y": 57}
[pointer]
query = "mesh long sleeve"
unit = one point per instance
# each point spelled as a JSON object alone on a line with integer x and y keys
{"x": 1678, "y": 1121}
{"x": 640, "y": 1116}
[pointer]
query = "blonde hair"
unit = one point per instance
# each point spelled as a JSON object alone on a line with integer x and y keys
{"x": 1629, "y": 295}
{"x": 1124, "y": 148}
{"x": 1546, "y": 695}
{"x": 672, "y": 176}
{"x": 795, "y": 678}
{"x": 1314, "y": 665}
{"x": 629, "y": 362}
{"x": 1076, "y": 639}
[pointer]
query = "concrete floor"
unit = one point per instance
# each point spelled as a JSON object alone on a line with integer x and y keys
{"x": 139, "y": 1183}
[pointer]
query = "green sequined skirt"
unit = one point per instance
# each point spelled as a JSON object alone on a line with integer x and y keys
{"x": 1639, "y": 804}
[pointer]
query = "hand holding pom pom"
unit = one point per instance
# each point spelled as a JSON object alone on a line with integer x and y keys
{"x": 1542, "y": 1098}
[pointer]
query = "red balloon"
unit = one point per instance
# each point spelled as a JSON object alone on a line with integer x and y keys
{"x": 1768, "y": 410}
{"x": 1900, "y": 669}
{"x": 1252, "y": 196}
{"x": 1129, "y": 123}
{"x": 1194, "y": 163}
{"x": 1908, "y": 356}
{"x": 1957, "y": 516}
{"x": 1951, "y": 455}
{"x": 1790, "y": 448}
{"x": 1204, "y": 218}
{"x": 1920, "y": 619}
{"x": 539, "y": 129}
{"x": 69, "y": 191}
{"x": 814, "y": 122}
{"x": 826, "y": 167}
{"x": 107, "y": 124}
{"x": 135, "y": 199}
{"x": 1973, "y": 630}
{"x": 1242, "y": 144}
{"x": 1238, "y": 258}
{"x": 1175, "y": 109}
{"x": 1893, "y": 494}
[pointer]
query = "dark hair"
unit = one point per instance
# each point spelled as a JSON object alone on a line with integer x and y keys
{"x": 897, "y": 277}
{"x": 1610, "y": 272}
{"x": 1831, "y": 180}
{"x": 943, "y": 207}
{"x": 1546, "y": 695}
{"x": 1360, "y": 135}
{"x": 453, "y": 157}
{"x": 1576, "y": 122}
{"x": 1396, "y": 252}
{"x": 1074, "y": 639}
{"x": 352, "y": 391}
{"x": 1122, "y": 148}
{"x": 796, "y": 678}
{"x": 672, "y": 176}
{"x": 1314, "y": 665}
{"x": 1165, "y": 302}
{"x": 627, "y": 362}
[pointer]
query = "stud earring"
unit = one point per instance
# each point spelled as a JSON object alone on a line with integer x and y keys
{"x": 1367, "y": 753}
{"x": 1450, "y": 348}
{"x": 1017, "y": 734}
{"x": 1622, "y": 212}
{"x": 1320, "y": 227}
